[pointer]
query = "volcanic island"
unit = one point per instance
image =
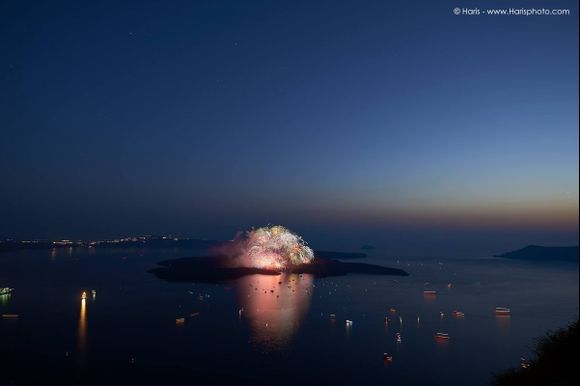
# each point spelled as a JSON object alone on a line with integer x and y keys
{"x": 265, "y": 251}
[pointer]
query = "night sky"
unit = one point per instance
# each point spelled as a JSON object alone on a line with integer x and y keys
{"x": 396, "y": 124}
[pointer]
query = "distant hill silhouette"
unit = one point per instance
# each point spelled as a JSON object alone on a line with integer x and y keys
{"x": 536, "y": 252}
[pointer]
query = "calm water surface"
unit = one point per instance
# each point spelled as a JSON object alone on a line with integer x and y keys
{"x": 278, "y": 329}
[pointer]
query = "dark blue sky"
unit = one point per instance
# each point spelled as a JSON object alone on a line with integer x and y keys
{"x": 392, "y": 123}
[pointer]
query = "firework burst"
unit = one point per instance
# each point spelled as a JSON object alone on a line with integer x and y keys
{"x": 273, "y": 247}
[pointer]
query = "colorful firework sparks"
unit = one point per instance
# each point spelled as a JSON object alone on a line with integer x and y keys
{"x": 271, "y": 247}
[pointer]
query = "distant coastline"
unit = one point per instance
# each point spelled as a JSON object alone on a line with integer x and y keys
{"x": 144, "y": 241}
{"x": 149, "y": 241}
{"x": 540, "y": 253}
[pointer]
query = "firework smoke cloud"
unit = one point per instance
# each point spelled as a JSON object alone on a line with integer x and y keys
{"x": 273, "y": 247}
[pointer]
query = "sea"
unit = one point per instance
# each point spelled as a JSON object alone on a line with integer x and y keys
{"x": 97, "y": 316}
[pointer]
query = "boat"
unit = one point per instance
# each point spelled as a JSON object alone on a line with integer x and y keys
{"x": 387, "y": 357}
{"x": 9, "y": 316}
{"x": 84, "y": 296}
{"x": 398, "y": 337}
{"x": 392, "y": 310}
{"x": 502, "y": 311}
{"x": 348, "y": 322}
{"x": 442, "y": 336}
{"x": 430, "y": 292}
{"x": 6, "y": 290}
{"x": 458, "y": 314}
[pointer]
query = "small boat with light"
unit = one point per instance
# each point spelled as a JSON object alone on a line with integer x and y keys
{"x": 502, "y": 311}
{"x": 387, "y": 357}
{"x": 458, "y": 314}
{"x": 398, "y": 338}
{"x": 442, "y": 336}
{"x": 430, "y": 292}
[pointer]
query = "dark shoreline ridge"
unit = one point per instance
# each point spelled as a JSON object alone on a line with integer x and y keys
{"x": 539, "y": 253}
{"x": 554, "y": 363}
{"x": 214, "y": 269}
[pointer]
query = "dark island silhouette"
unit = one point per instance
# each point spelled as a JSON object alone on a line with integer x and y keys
{"x": 215, "y": 269}
{"x": 539, "y": 253}
{"x": 339, "y": 255}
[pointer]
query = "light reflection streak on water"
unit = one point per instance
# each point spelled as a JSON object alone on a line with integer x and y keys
{"x": 275, "y": 306}
{"x": 4, "y": 299}
{"x": 503, "y": 323}
{"x": 82, "y": 331}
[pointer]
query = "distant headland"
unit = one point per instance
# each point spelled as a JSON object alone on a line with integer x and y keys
{"x": 539, "y": 253}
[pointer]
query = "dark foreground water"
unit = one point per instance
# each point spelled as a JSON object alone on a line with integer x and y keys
{"x": 128, "y": 333}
